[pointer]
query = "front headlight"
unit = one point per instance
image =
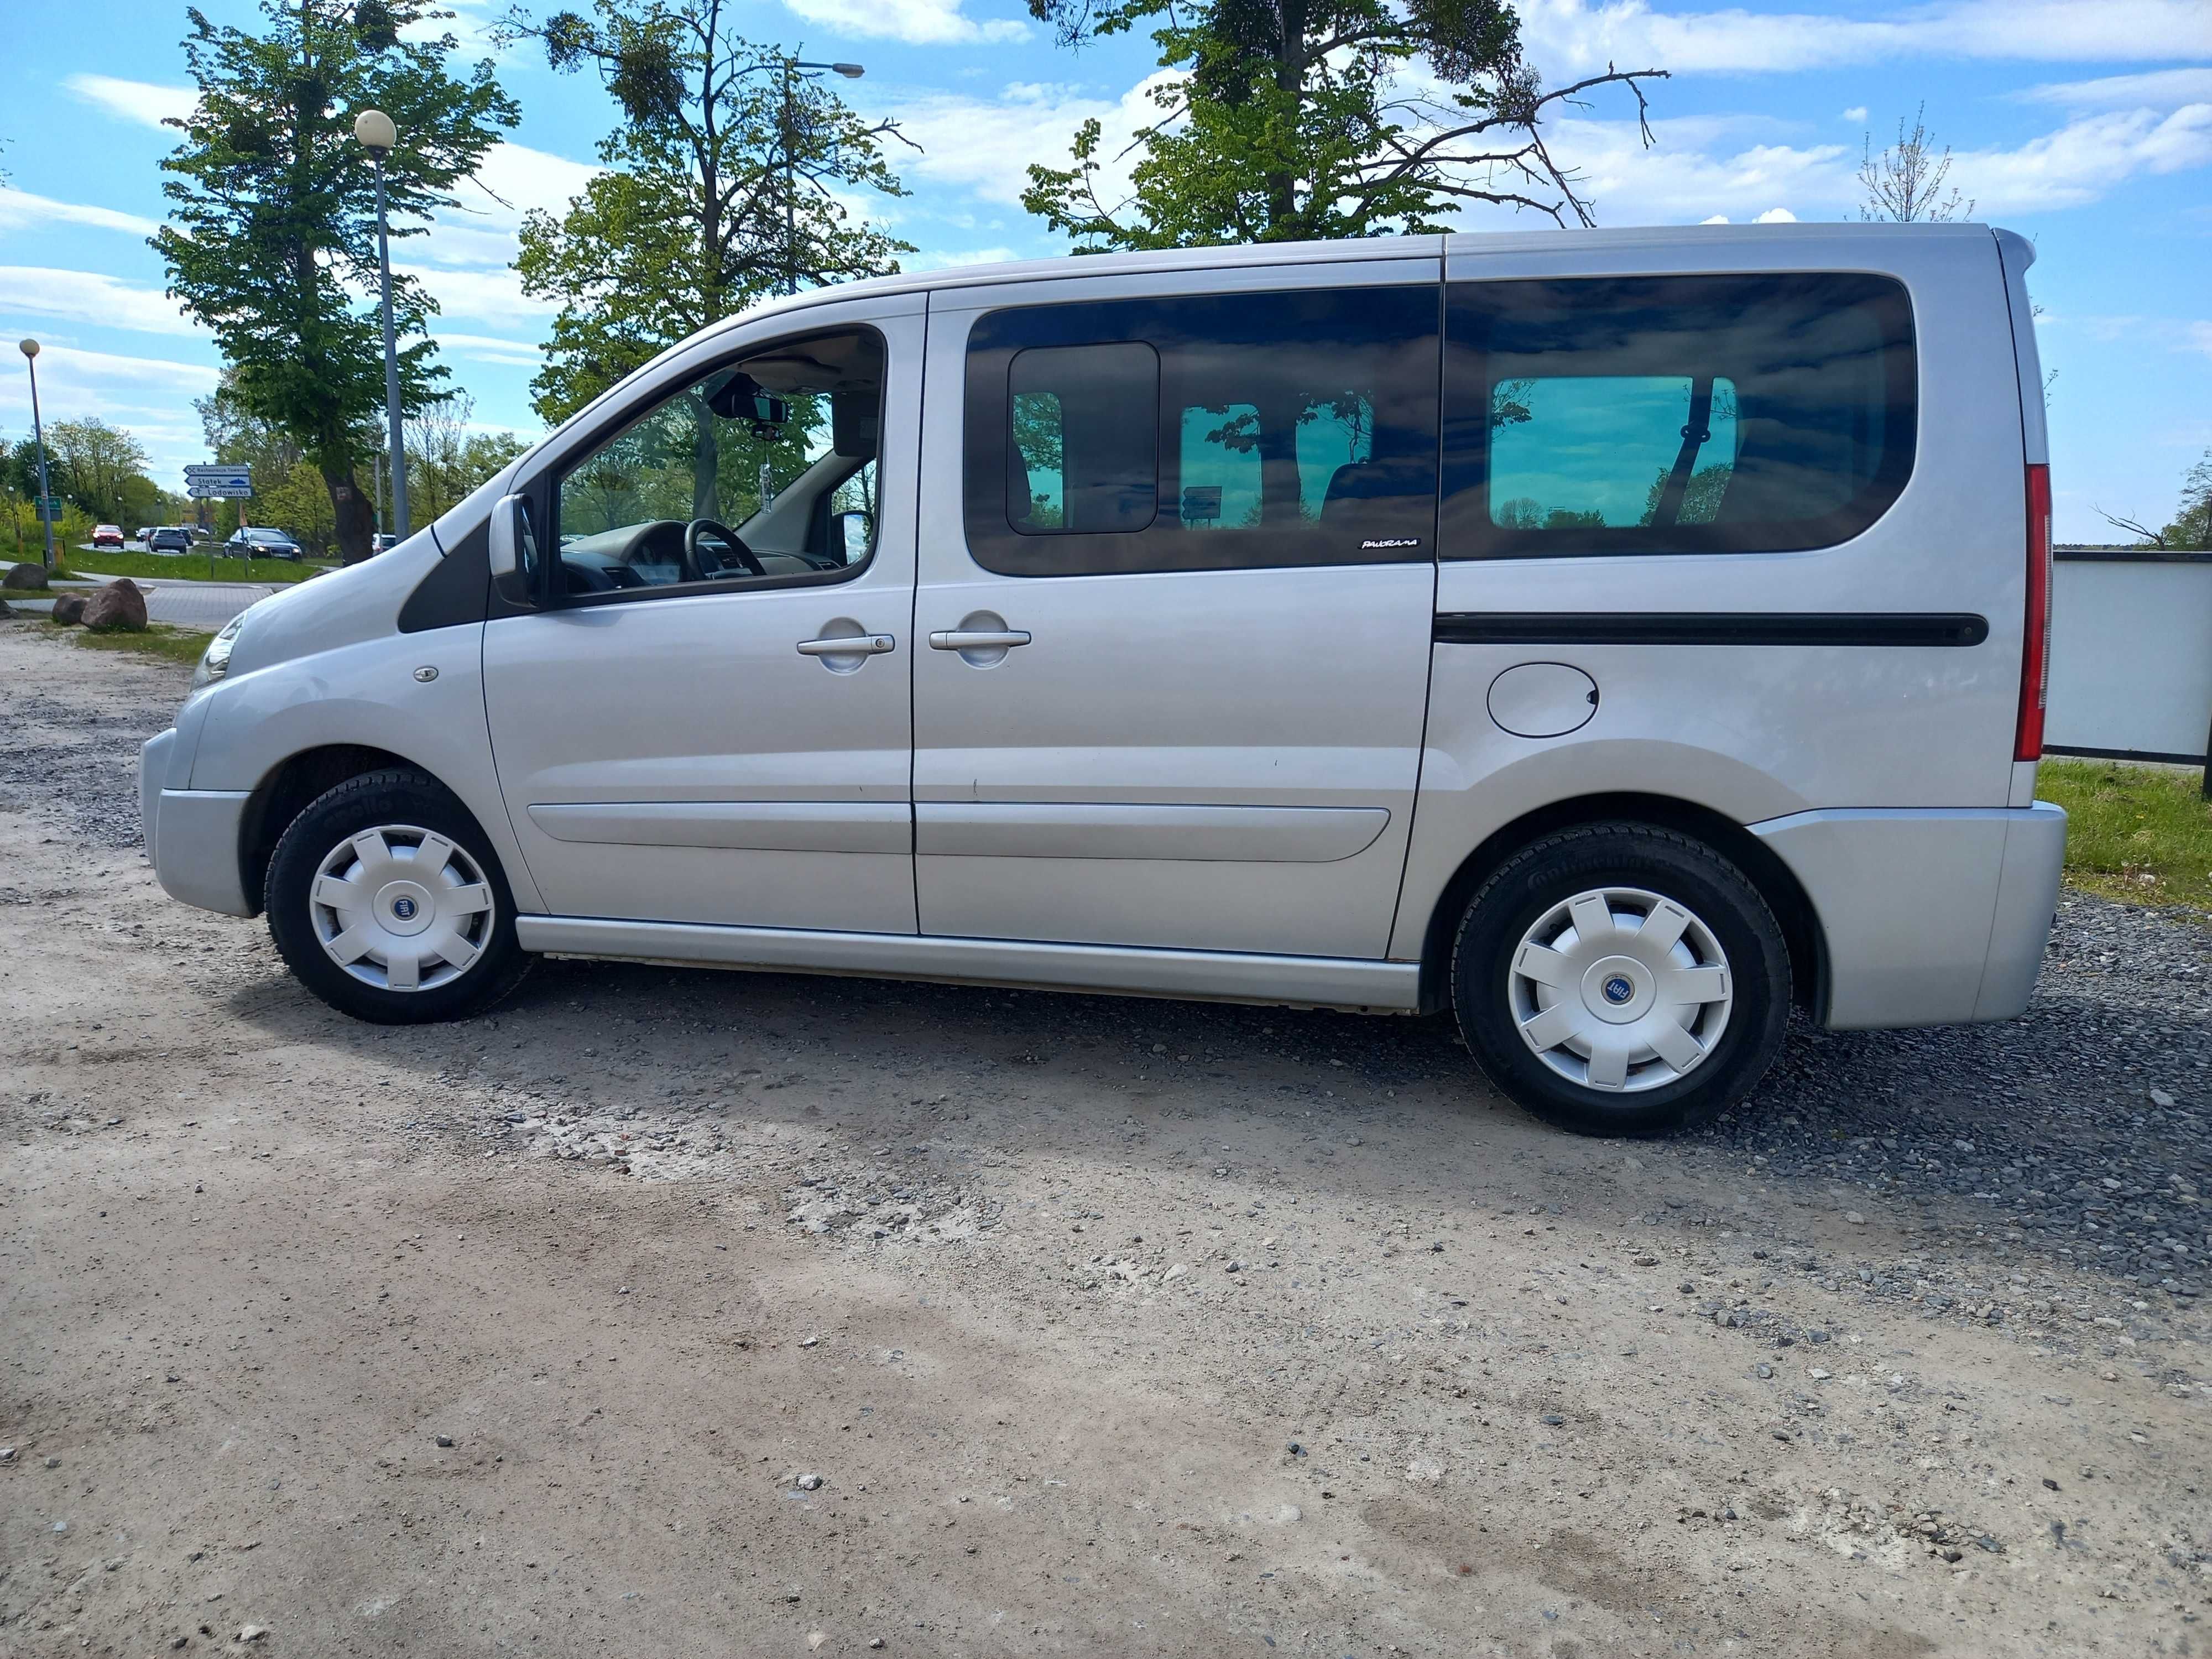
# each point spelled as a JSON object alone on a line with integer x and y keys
{"x": 214, "y": 661}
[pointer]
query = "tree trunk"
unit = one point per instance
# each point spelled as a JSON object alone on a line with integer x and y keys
{"x": 351, "y": 512}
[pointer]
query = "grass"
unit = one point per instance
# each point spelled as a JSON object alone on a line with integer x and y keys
{"x": 182, "y": 645}
{"x": 2138, "y": 833}
{"x": 193, "y": 566}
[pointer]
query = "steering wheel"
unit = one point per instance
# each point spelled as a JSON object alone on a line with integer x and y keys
{"x": 697, "y": 559}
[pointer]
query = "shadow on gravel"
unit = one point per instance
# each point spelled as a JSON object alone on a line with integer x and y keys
{"x": 2082, "y": 1123}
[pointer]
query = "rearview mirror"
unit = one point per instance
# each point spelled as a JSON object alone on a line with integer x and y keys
{"x": 740, "y": 399}
{"x": 513, "y": 553}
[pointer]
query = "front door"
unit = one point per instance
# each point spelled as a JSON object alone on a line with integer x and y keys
{"x": 710, "y": 721}
{"x": 1175, "y": 605}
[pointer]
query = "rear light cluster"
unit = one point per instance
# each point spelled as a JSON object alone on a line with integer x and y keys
{"x": 2035, "y": 645}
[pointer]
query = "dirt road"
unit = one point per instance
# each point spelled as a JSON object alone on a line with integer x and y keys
{"x": 680, "y": 1313}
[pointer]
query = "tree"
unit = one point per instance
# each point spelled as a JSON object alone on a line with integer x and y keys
{"x": 1906, "y": 181}
{"x": 2191, "y": 532}
{"x": 446, "y": 458}
{"x": 96, "y": 466}
{"x": 1287, "y": 120}
{"x": 716, "y": 192}
{"x": 272, "y": 241}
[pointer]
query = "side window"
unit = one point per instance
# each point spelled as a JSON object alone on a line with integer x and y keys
{"x": 1203, "y": 433}
{"x": 763, "y": 473}
{"x": 1675, "y": 414}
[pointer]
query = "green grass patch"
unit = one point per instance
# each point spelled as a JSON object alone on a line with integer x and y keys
{"x": 2138, "y": 833}
{"x": 193, "y": 568}
{"x": 182, "y": 645}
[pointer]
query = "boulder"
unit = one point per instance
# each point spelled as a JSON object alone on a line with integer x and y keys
{"x": 4, "y": 611}
{"x": 68, "y": 609}
{"x": 25, "y": 578}
{"x": 117, "y": 608}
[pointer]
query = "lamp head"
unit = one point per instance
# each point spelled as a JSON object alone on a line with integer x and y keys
{"x": 375, "y": 130}
{"x": 850, "y": 71}
{"x": 30, "y": 347}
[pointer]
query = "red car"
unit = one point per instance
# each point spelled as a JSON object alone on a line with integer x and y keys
{"x": 107, "y": 535}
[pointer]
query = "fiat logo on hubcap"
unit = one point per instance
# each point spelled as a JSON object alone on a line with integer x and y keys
{"x": 1617, "y": 989}
{"x": 404, "y": 909}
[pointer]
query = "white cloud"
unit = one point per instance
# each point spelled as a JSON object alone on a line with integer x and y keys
{"x": 523, "y": 179}
{"x": 1580, "y": 36}
{"x": 917, "y": 22}
{"x": 91, "y": 296}
{"x": 2159, "y": 89}
{"x": 2085, "y": 159}
{"x": 489, "y": 296}
{"x": 1857, "y": 115}
{"x": 489, "y": 348}
{"x": 147, "y": 102}
{"x": 987, "y": 144}
{"x": 1775, "y": 216}
{"x": 20, "y": 209}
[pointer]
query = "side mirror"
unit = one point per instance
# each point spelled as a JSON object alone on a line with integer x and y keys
{"x": 514, "y": 551}
{"x": 850, "y": 534}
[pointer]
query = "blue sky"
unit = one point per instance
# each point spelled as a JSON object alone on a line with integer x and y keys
{"x": 2085, "y": 124}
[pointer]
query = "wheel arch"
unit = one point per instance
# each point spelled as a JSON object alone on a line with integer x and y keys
{"x": 286, "y": 792}
{"x": 1785, "y": 895}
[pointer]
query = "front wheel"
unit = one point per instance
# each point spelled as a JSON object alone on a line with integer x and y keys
{"x": 385, "y": 902}
{"x": 1618, "y": 979}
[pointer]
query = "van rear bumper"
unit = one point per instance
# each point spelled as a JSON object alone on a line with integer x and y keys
{"x": 1927, "y": 917}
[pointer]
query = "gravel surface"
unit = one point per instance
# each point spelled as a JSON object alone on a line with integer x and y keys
{"x": 665, "y": 1310}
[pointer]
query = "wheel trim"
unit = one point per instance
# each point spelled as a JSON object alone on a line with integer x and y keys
{"x": 401, "y": 907}
{"x": 1619, "y": 989}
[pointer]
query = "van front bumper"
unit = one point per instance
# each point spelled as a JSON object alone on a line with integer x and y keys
{"x": 1927, "y": 917}
{"x": 192, "y": 834}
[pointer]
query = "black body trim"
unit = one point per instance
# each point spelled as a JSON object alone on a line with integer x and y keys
{"x": 455, "y": 590}
{"x": 2071, "y": 752}
{"x": 1709, "y": 627}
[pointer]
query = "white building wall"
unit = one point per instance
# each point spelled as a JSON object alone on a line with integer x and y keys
{"x": 2132, "y": 655}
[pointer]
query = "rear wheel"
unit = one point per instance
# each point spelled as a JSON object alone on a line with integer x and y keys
{"x": 385, "y": 902}
{"x": 1620, "y": 979}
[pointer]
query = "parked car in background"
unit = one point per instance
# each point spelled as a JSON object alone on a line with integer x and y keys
{"x": 383, "y": 541}
{"x": 169, "y": 538}
{"x": 199, "y": 532}
{"x": 1540, "y": 629}
{"x": 145, "y": 536}
{"x": 107, "y": 535}
{"x": 256, "y": 542}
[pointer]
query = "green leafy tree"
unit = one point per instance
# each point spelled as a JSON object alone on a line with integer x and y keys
{"x": 447, "y": 457}
{"x": 272, "y": 242}
{"x": 719, "y": 191}
{"x": 100, "y": 469}
{"x": 1289, "y": 120}
{"x": 723, "y": 186}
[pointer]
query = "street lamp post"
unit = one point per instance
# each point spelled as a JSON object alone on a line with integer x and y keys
{"x": 39, "y": 432}
{"x": 377, "y": 134}
{"x": 791, "y": 67}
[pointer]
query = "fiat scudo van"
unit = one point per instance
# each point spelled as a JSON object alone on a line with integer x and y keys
{"x": 1612, "y": 638}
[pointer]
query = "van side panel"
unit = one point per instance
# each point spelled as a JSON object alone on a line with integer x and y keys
{"x": 1761, "y": 730}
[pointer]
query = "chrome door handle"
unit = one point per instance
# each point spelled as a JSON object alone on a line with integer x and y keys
{"x": 849, "y": 645}
{"x": 977, "y": 639}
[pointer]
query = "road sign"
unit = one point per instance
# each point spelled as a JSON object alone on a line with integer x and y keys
{"x": 219, "y": 480}
{"x": 48, "y": 506}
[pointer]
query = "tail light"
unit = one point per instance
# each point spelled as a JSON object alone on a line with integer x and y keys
{"x": 2035, "y": 645}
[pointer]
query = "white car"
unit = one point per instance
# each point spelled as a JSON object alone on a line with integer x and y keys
{"x": 1610, "y": 637}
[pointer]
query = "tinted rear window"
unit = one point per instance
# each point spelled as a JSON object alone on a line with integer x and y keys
{"x": 1673, "y": 415}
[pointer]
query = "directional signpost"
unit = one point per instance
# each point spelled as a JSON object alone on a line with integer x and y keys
{"x": 220, "y": 481}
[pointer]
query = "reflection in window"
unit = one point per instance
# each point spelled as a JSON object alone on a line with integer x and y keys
{"x": 1221, "y": 470}
{"x": 1085, "y": 454}
{"x": 1598, "y": 450}
{"x": 1334, "y": 432}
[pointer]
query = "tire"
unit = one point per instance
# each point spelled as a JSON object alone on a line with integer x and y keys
{"x": 357, "y": 950}
{"x": 1565, "y": 1021}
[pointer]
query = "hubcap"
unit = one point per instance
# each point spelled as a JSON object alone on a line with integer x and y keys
{"x": 401, "y": 908}
{"x": 1619, "y": 989}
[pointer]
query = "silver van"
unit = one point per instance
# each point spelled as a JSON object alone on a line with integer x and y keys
{"x": 1611, "y": 637}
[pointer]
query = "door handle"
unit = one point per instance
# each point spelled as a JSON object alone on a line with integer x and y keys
{"x": 849, "y": 645}
{"x": 978, "y": 638}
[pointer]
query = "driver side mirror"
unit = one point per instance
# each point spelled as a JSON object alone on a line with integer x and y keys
{"x": 514, "y": 551}
{"x": 850, "y": 534}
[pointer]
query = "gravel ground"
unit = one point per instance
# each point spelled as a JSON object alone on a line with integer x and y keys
{"x": 1109, "y": 1325}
